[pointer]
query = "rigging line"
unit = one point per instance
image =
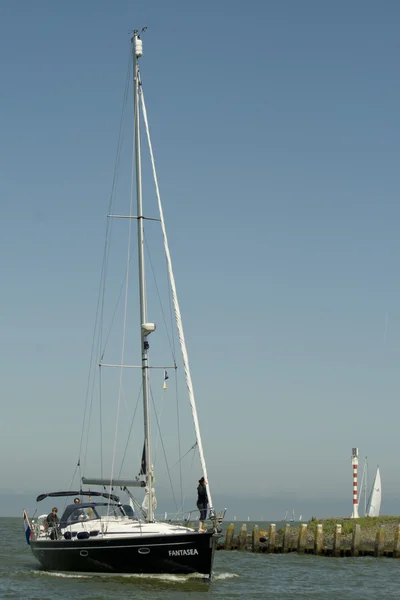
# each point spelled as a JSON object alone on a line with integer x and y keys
{"x": 194, "y": 447}
{"x": 101, "y": 299}
{"x": 100, "y": 303}
{"x": 109, "y": 223}
{"x": 183, "y": 498}
{"x": 130, "y": 429}
{"x": 186, "y": 453}
{"x": 160, "y": 302}
{"x": 88, "y": 428}
{"x": 109, "y": 226}
{"x": 120, "y": 132}
{"x": 101, "y": 354}
{"x": 177, "y": 310}
{"x": 163, "y": 447}
{"x": 88, "y": 423}
{"x": 179, "y": 436}
{"x": 158, "y": 435}
{"x": 101, "y": 421}
{"x": 171, "y": 316}
{"x": 137, "y": 506}
{"x": 128, "y": 259}
{"x": 73, "y": 476}
{"x": 176, "y": 379}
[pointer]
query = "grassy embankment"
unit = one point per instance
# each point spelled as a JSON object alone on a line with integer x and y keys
{"x": 366, "y": 523}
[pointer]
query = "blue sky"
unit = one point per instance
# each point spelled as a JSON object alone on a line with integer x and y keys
{"x": 275, "y": 127}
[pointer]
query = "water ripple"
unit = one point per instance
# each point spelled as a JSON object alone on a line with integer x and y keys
{"x": 237, "y": 576}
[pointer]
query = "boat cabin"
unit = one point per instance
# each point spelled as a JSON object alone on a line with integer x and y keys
{"x": 75, "y": 513}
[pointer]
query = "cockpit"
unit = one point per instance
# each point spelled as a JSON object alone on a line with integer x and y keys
{"x": 85, "y": 511}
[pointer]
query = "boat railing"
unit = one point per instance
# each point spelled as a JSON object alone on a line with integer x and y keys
{"x": 40, "y": 530}
{"x": 216, "y": 518}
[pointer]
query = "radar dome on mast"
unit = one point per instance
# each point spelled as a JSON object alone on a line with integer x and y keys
{"x": 138, "y": 47}
{"x": 138, "y": 42}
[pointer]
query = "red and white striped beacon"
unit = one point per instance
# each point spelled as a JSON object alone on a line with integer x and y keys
{"x": 354, "y": 462}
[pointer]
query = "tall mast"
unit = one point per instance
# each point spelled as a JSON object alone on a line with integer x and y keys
{"x": 145, "y": 328}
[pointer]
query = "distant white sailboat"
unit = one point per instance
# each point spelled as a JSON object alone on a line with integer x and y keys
{"x": 285, "y": 517}
{"x": 364, "y": 485}
{"x": 374, "y": 503}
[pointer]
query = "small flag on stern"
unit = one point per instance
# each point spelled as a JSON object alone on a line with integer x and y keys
{"x": 27, "y": 526}
{"x": 165, "y": 379}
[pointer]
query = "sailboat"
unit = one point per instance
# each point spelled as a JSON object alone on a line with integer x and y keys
{"x": 96, "y": 534}
{"x": 374, "y": 503}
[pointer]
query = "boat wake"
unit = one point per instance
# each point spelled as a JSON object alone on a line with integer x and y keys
{"x": 40, "y": 573}
{"x": 165, "y": 577}
{"x": 223, "y": 576}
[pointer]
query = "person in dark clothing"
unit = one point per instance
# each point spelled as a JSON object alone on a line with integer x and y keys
{"x": 52, "y": 518}
{"x": 51, "y": 523}
{"x": 202, "y": 502}
{"x": 79, "y": 513}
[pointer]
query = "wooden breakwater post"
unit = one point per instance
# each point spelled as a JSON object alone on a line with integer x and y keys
{"x": 230, "y": 532}
{"x": 348, "y": 539}
{"x": 286, "y": 538}
{"x": 396, "y": 546}
{"x": 255, "y": 539}
{"x": 301, "y": 544}
{"x": 318, "y": 539}
{"x": 380, "y": 541}
{"x": 242, "y": 539}
{"x": 355, "y": 542}
{"x": 272, "y": 538}
{"x": 337, "y": 538}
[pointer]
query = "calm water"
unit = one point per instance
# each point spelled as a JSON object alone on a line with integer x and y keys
{"x": 237, "y": 576}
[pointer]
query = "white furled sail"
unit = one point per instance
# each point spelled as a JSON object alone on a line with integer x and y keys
{"x": 146, "y": 500}
{"x": 374, "y": 504}
{"x": 178, "y": 317}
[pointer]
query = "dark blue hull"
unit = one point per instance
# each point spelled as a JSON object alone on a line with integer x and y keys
{"x": 184, "y": 554}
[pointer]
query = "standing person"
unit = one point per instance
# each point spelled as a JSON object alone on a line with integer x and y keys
{"x": 51, "y": 523}
{"x": 79, "y": 513}
{"x": 202, "y": 502}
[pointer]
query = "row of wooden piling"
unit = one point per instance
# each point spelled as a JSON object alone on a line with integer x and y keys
{"x": 306, "y": 543}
